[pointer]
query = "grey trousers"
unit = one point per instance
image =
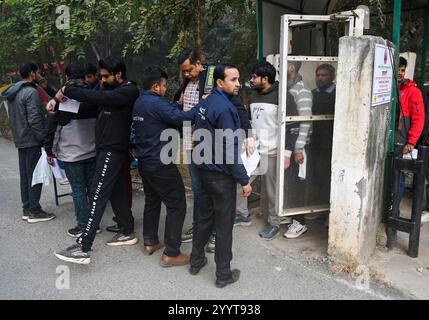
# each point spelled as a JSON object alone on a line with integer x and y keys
{"x": 268, "y": 192}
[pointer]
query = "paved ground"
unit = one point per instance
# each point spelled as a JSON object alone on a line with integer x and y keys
{"x": 401, "y": 271}
{"x": 270, "y": 270}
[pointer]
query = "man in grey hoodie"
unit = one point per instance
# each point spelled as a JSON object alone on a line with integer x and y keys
{"x": 28, "y": 123}
{"x": 71, "y": 139}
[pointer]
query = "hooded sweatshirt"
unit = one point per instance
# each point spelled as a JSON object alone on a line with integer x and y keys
{"x": 412, "y": 112}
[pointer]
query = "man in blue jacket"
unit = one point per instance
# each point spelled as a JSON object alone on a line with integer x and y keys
{"x": 217, "y": 157}
{"x": 154, "y": 117}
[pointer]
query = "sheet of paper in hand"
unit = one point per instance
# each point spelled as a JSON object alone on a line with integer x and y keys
{"x": 251, "y": 163}
{"x": 70, "y": 105}
{"x": 57, "y": 171}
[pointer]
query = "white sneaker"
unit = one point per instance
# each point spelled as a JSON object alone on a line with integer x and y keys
{"x": 295, "y": 230}
{"x": 285, "y": 220}
{"x": 425, "y": 216}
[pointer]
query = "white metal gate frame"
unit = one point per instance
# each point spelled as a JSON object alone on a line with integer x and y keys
{"x": 354, "y": 25}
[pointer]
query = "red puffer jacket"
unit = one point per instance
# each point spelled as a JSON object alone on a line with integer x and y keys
{"x": 412, "y": 109}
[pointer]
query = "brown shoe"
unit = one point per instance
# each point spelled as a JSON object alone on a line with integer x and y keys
{"x": 149, "y": 250}
{"x": 180, "y": 260}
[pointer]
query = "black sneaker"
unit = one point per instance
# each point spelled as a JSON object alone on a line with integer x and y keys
{"x": 234, "y": 278}
{"x": 122, "y": 240}
{"x": 42, "y": 216}
{"x": 114, "y": 228}
{"x": 195, "y": 270}
{"x": 74, "y": 254}
{"x": 76, "y": 232}
{"x": 25, "y": 214}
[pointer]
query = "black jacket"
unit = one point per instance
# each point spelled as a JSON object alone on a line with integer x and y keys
{"x": 115, "y": 108}
{"x": 153, "y": 115}
{"x": 236, "y": 101}
{"x": 63, "y": 118}
{"x": 27, "y": 118}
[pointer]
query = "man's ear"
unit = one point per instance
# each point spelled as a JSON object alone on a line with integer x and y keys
{"x": 219, "y": 83}
{"x": 155, "y": 87}
{"x": 118, "y": 76}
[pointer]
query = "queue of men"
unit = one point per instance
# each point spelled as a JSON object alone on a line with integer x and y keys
{"x": 94, "y": 145}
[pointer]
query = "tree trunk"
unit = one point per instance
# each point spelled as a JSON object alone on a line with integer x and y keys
{"x": 109, "y": 43}
{"x": 200, "y": 25}
{"x": 95, "y": 50}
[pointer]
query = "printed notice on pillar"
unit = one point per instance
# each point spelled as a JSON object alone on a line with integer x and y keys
{"x": 383, "y": 76}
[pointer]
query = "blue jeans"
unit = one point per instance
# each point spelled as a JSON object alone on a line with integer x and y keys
{"x": 80, "y": 176}
{"x": 401, "y": 185}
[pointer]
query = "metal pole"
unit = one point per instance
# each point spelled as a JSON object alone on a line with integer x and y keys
{"x": 260, "y": 31}
{"x": 388, "y": 171}
{"x": 425, "y": 48}
{"x": 284, "y": 46}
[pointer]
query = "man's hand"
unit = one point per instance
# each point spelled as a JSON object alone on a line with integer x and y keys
{"x": 50, "y": 107}
{"x": 247, "y": 191}
{"x": 287, "y": 162}
{"x": 408, "y": 148}
{"x": 50, "y": 160}
{"x": 250, "y": 146}
{"x": 60, "y": 96}
{"x": 299, "y": 157}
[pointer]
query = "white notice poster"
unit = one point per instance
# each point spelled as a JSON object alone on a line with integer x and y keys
{"x": 383, "y": 76}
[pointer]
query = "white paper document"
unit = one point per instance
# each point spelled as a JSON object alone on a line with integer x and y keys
{"x": 251, "y": 162}
{"x": 302, "y": 174}
{"x": 70, "y": 105}
{"x": 412, "y": 155}
{"x": 57, "y": 171}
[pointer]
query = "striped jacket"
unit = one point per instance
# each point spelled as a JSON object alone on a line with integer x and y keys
{"x": 303, "y": 99}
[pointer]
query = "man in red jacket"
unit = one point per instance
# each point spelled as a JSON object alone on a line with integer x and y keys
{"x": 412, "y": 115}
{"x": 412, "y": 109}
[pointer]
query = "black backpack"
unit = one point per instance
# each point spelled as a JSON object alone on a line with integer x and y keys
{"x": 424, "y": 137}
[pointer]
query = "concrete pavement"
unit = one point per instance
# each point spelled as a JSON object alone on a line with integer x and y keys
{"x": 29, "y": 270}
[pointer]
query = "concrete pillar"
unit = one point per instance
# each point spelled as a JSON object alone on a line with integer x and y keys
{"x": 358, "y": 155}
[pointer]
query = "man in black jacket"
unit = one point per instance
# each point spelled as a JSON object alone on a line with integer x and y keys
{"x": 198, "y": 84}
{"x": 29, "y": 129}
{"x": 153, "y": 117}
{"x": 220, "y": 169}
{"x": 112, "y": 134}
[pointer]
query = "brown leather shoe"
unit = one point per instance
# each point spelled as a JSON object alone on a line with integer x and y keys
{"x": 149, "y": 250}
{"x": 180, "y": 260}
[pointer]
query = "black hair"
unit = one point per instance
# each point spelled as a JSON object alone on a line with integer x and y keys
{"x": 403, "y": 62}
{"x": 297, "y": 65}
{"x": 326, "y": 67}
{"x": 26, "y": 68}
{"x": 265, "y": 69}
{"x": 152, "y": 75}
{"x": 76, "y": 70}
{"x": 192, "y": 54}
{"x": 90, "y": 69}
{"x": 219, "y": 72}
{"x": 113, "y": 65}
